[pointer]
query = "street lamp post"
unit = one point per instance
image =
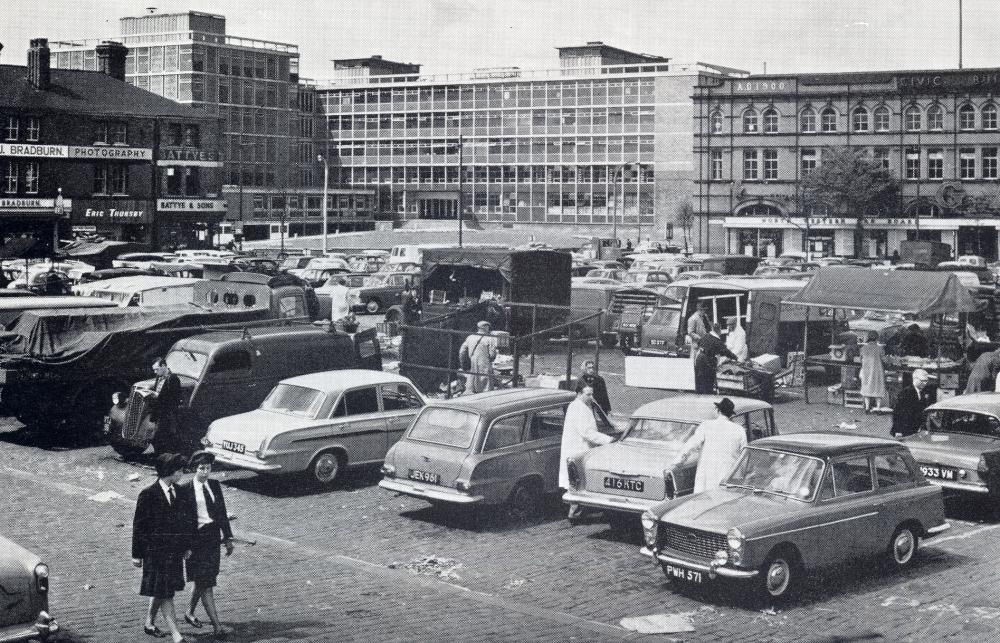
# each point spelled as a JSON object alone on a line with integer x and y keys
{"x": 243, "y": 146}
{"x": 461, "y": 145}
{"x": 326, "y": 177}
{"x": 621, "y": 197}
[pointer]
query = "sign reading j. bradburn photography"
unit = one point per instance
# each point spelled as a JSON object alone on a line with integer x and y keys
{"x": 191, "y": 205}
{"x": 33, "y": 150}
{"x": 111, "y": 153}
{"x": 932, "y": 82}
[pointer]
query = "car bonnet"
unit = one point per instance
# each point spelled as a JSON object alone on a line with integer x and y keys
{"x": 640, "y": 456}
{"x": 720, "y": 509}
{"x": 250, "y": 428}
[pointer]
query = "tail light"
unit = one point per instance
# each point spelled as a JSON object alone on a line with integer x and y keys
{"x": 669, "y": 488}
{"x": 262, "y": 449}
{"x": 42, "y": 577}
{"x": 572, "y": 473}
{"x": 982, "y": 468}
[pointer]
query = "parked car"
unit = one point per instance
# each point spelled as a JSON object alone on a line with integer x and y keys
{"x": 958, "y": 446}
{"x": 795, "y": 503}
{"x": 295, "y": 265}
{"x": 381, "y": 291}
{"x": 24, "y": 579}
{"x": 140, "y": 260}
{"x": 698, "y": 274}
{"x": 495, "y": 448}
{"x": 319, "y": 423}
{"x": 629, "y": 476}
{"x": 618, "y": 274}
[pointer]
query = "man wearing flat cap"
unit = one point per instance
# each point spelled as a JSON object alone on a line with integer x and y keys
{"x": 476, "y": 356}
{"x": 719, "y": 441}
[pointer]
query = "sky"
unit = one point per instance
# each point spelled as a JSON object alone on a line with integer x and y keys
{"x": 450, "y": 36}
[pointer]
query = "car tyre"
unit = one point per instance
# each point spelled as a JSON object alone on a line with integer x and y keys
{"x": 609, "y": 341}
{"x": 902, "y": 547}
{"x": 779, "y": 576}
{"x": 124, "y": 449}
{"x": 327, "y": 468}
{"x": 372, "y": 306}
{"x": 524, "y": 502}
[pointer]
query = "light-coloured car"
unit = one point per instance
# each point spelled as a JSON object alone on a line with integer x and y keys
{"x": 24, "y": 584}
{"x": 141, "y": 260}
{"x": 629, "y": 476}
{"x": 319, "y": 423}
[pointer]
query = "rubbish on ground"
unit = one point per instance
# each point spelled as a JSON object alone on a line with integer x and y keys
{"x": 105, "y": 496}
{"x": 133, "y": 477}
{"x": 657, "y": 624}
{"x": 431, "y": 566}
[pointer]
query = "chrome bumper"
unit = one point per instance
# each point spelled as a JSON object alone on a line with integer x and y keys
{"x": 712, "y": 569}
{"x": 428, "y": 493}
{"x": 242, "y": 462}
{"x": 959, "y": 486}
{"x": 934, "y": 531}
{"x": 41, "y": 629}
{"x": 610, "y": 503}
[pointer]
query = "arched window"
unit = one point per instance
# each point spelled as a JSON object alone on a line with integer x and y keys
{"x": 716, "y": 121}
{"x": 913, "y": 119}
{"x": 966, "y": 117}
{"x": 935, "y": 118}
{"x": 750, "y": 121}
{"x": 759, "y": 210}
{"x": 859, "y": 119}
{"x": 807, "y": 120}
{"x": 989, "y": 116}
{"x": 770, "y": 121}
{"x": 882, "y": 118}
{"x": 828, "y": 120}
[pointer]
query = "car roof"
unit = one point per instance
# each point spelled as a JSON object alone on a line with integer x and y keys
{"x": 205, "y": 342}
{"x": 747, "y": 283}
{"x": 330, "y": 381}
{"x": 139, "y": 283}
{"x": 826, "y": 444}
{"x": 507, "y": 400}
{"x": 987, "y": 403}
{"x": 694, "y": 407}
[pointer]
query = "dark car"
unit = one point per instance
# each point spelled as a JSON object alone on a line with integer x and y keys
{"x": 796, "y": 503}
{"x": 24, "y": 583}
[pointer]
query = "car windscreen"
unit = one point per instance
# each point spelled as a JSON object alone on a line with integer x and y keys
{"x": 968, "y": 422}
{"x": 450, "y": 427}
{"x": 659, "y": 430}
{"x": 186, "y": 363}
{"x": 777, "y": 472}
{"x": 294, "y": 400}
{"x": 669, "y": 317}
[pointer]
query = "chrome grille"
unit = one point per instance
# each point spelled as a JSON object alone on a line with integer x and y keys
{"x": 702, "y": 544}
{"x": 644, "y": 300}
{"x": 133, "y": 428}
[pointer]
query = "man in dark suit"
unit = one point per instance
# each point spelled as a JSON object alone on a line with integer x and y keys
{"x": 163, "y": 405}
{"x": 590, "y": 378}
{"x": 911, "y": 403}
{"x": 710, "y": 346}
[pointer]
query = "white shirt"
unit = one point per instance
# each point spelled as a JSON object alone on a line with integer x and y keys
{"x": 736, "y": 341}
{"x": 202, "y": 504}
{"x": 340, "y": 302}
{"x": 166, "y": 491}
{"x": 721, "y": 441}
{"x": 579, "y": 435}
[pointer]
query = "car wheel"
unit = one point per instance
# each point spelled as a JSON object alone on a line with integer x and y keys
{"x": 124, "y": 449}
{"x": 524, "y": 501}
{"x": 372, "y": 306}
{"x": 902, "y": 547}
{"x": 779, "y": 576}
{"x": 609, "y": 341}
{"x": 327, "y": 467}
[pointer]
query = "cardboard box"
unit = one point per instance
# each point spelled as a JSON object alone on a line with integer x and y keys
{"x": 834, "y": 394}
{"x": 769, "y": 363}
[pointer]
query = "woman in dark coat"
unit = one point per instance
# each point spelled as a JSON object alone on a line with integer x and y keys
{"x": 205, "y": 501}
{"x": 163, "y": 407}
{"x": 161, "y": 540}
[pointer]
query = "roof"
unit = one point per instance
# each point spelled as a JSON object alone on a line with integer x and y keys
{"x": 694, "y": 407}
{"x": 749, "y": 283}
{"x": 920, "y": 292}
{"x": 330, "y": 381}
{"x": 86, "y": 92}
{"x": 824, "y": 444}
{"x": 506, "y": 400}
{"x": 135, "y": 283}
{"x": 987, "y": 403}
{"x": 206, "y": 341}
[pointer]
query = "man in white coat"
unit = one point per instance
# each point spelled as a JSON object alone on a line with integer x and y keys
{"x": 340, "y": 300}
{"x": 579, "y": 435}
{"x": 720, "y": 441}
{"x": 736, "y": 340}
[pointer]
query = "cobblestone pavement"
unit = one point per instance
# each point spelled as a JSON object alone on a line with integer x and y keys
{"x": 334, "y": 565}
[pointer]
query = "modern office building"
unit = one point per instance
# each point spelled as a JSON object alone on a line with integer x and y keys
{"x": 603, "y": 144}
{"x": 267, "y": 154}
{"x": 85, "y": 151}
{"x": 756, "y": 137}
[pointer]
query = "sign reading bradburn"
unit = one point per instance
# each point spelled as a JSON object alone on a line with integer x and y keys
{"x": 937, "y": 82}
{"x": 34, "y": 150}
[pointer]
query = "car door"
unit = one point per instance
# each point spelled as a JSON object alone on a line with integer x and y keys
{"x": 858, "y": 503}
{"x": 363, "y": 429}
{"x": 504, "y": 457}
{"x": 400, "y": 403}
{"x": 900, "y": 493}
{"x": 223, "y": 390}
{"x": 544, "y": 439}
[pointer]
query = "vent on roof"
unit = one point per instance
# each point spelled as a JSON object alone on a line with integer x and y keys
{"x": 39, "y": 74}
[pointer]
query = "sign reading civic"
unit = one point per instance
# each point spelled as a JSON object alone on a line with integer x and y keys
{"x": 189, "y": 156}
{"x": 938, "y": 82}
{"x": 191, "y": 205}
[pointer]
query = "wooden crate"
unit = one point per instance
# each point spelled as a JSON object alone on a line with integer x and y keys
{"x": 853, "y": 399}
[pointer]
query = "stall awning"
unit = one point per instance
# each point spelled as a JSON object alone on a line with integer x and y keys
{"x": 919, "y": 292}
{"x": 482, "y": 258}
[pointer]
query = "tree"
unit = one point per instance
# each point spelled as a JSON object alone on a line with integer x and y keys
{"x": 685, "y": 219}
{"x": 853, "y": 184}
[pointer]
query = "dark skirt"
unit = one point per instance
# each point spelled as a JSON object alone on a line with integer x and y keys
{"x": 203, "y": 565}
{"x": 162, "y": 575}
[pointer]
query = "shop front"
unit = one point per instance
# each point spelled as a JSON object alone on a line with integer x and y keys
{"x": 188, "y": 223}
{"x": 33, "y": 224}
{"x": 114, "y": 219}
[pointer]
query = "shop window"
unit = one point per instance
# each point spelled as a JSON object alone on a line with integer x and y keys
{"x": 828, "y": 120}
{"x": 989, "y": 116}
{"x": 770, "y": 121}
{"x": 859, "y": 120}
{"x": 33, "y": 129}
{"x": 750, "y": 121}
{"x": 935, "y": 118}
{"x": 966, "y": 117}
{"x": 882, "y": 118}
{"x": 807, "y": 120}
{"x": 913, "y": 119}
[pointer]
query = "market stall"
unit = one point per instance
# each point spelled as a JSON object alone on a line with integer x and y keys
{"x": 926, "y": 295}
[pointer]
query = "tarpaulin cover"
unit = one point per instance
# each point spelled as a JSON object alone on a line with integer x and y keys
{"x": 920, "y": 292}
{"x": 99, "y": 253}
{"x": 484, "y": 258}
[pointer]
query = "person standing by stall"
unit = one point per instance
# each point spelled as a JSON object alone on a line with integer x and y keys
{"x": 736, "y": 339}
{"x": 984, "y": 374}
{"x": 710, "y": 347}
{"x": 476, "y": 356}
{"x": 698, "y": 326}
{"x": 872, "y": 373}
{"x": 911, "y": 404}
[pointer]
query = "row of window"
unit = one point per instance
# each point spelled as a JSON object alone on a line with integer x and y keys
{"x": 483, "y": 148}
{"x": 27, "y": 126}
{"x": 826, "y": 120}
{"x": 601, "y": 177}
{"x": 524, "y": 121}
{"x": 21, "y": 177}
{"x": 104, "y": 132}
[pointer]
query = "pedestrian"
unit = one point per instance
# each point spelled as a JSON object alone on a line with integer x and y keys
{"x": 710, "y": 347}
{"x": 590, "y": 378}
{"x": 698, "y": 326}
{"x": 579, "y": 435}
{"x": 628, "y": 245}
{"x": 476, "y": 356}
{"x": 872, "y": 373}
{"x": 736, "y": 339}
{"x": 985, "y": 371}
{"x": 164, "y": 401}
{"x": 913, "y": 342}
{"x": 205, "y": 501}
{"x": 720, "y": 441}
{"x": 340, "y": 300}
{"x": 410, "y": 305}
{"x": 161, "y": 539}
{"x": 911, "y": 404}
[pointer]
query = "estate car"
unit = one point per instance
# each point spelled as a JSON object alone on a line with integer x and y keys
{"x": 24, "y": 580}
{"x": 484, "y": 449}
{"x": 795, "y": 503}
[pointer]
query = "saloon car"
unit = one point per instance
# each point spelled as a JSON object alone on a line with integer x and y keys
{"x": 629, "y": 476}
{"x": 319, "y": 424}
{"x": 24, "y": 582}
{"x": 958, "y": 446}
{"x": 493, "y": 448}
{"x": 795, "y": 503}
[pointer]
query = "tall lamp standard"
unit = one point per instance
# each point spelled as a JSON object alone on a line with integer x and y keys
{"x": 243, "y": 146}
{"x": 621, "y": 197}
{"x": 326, "y": 178}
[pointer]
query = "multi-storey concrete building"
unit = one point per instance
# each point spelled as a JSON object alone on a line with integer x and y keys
{"x": 756, "y": 137}
{"x": 86, "y": 150}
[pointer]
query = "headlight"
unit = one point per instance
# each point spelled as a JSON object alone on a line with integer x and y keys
{"x": 649, "y": 528}
{"x": 722, "y": 557}
{"x": 735, "y": 539}
{"x": 205, "y": 442}
{"x": 42, "y": 577}
{"x": 116, "y": 398}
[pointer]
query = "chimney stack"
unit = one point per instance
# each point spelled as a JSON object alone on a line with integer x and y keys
{"x": 111, "y": 59}
{"x": 39, "y": 74}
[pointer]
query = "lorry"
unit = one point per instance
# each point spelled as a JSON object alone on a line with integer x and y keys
{"x": 924, "y": 253}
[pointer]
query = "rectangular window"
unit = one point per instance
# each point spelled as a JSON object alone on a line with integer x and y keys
{"x": 33, "y": 128}
{"x": 935, "y": 164}
{"x": 808, "y": 163}
{"x": 912, "y": 163}
{"x": 716, "y": 163}
{"x": 31, "y": 177}
{"x": 100, "y": 178}
{"x": 967, "y": 163}
{"x": 882, "y": 119}
{"x": 119, "y": 133}
{"x": 119, "y": 178}
{"x": 770, "y": 165}
{"x": 750, "y": 164}
{"x": 989, "y": 162}
{"x": 11, "y": 177}
{"x": 881, "y": 157}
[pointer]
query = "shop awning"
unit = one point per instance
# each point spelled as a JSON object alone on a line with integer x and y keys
{"x": 919, "y": 292}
